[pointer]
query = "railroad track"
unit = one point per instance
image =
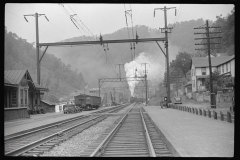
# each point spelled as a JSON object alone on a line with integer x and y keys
{"x": 134, "y": 135}
{"x": 36, "y": 141}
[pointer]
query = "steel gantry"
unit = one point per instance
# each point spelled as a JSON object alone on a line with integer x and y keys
{"x": 102, "y": 80}
{"x": 101, "y": 42}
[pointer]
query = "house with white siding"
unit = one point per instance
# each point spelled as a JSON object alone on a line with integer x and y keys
{"x": 200, "y": 69}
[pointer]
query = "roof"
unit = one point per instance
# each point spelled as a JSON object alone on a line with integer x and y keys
{"x": 215, "y": 61}
{"x": 13, "y": 76}
{"x": 47, "y": 102}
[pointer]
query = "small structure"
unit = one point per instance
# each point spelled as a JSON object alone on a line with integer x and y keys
{"x": 59, "y": 107}
{"x": 20, "y": 94}
{"x": 47, "y": 106}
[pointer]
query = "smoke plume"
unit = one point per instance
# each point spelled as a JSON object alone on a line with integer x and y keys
{"x": 155, "y": 70}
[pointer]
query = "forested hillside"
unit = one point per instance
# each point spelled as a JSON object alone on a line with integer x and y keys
{"x": 55, "y": 75}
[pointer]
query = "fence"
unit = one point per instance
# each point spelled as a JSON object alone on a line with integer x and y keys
{"x": 229, "y": 117}
{"x": 220, "y": 97}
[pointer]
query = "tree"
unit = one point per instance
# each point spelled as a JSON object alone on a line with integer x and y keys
{"x": 217, "y": 80}
{"x": 182, "y": 63}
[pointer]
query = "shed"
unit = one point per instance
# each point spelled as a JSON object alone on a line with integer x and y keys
{"x": 48, "y": 106}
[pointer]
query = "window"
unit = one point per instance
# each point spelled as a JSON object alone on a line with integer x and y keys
{"x": 14, "y": 97}
{"x": 229, "y": 66}
{"x": 26, "y": 97}
{"x": 203, "y": 70}
{"x": 21, "y": 96}
{"x": 222, "y": 69}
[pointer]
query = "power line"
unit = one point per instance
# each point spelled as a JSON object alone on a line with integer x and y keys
{"x": 89, "y": 32}
{"x": 84, "y": 31}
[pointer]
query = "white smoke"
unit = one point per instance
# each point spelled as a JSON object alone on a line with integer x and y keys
{"x": 154, "y": 69}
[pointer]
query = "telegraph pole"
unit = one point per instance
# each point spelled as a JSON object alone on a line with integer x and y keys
{"x": 36, "y": 15}
{"x": 213, "y": 100}
{"x": 119, "y": 69}
{"x": 145, "y": 71}
{"x": 166, "y": 46}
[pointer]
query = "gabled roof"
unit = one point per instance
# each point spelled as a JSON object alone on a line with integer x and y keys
{"x": 215, "y": 61}
{"x": 14, "y": 76}
{"x": 47, "y": 102}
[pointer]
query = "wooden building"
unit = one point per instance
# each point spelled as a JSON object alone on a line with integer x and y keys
{"x": 20, "y": 94}
{"x": 47, "y": 106}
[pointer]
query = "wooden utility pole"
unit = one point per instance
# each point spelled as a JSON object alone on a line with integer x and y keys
{"x": 36, "y": 15}
{"x": 166, "y": 46}
{"x": 212, "y": 95}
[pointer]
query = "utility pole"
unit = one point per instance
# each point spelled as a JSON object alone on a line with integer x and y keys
{"x": 99, "y": 87}
{"x": 36, "y": 15}
{"x": 114, "y": 94}
{"x": 213, "y": 98}
{"x": 120, "y": 69}
{"x": 177, "y": 84}
{"x": 166, "y": 46}
{"x": 145, "y": 71}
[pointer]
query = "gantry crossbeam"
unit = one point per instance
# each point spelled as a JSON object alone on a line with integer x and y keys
{"x": 102, "y": 42}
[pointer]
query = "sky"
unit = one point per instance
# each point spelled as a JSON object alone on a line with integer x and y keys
{"x": 98, "y": 18}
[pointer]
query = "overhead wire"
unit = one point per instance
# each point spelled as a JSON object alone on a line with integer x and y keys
{"x": 111, "y": 60}
{"x": 127, "y": 29}
{"x": 110, "y": 63}
{"x": 31, "y": 25}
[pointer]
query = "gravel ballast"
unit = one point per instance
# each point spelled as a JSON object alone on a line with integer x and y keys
{"x": 77, "y": 144}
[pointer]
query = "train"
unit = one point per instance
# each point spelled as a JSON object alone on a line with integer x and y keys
{"x": 135, "y": 99}
{"x": 87, "y": 102}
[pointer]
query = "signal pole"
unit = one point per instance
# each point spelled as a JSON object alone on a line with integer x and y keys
{"x": 37, "y": 42}
{"x": 213, "y": 100}
{"x": 145, "y": 71}
{"x": 119, "y": 69}
{"x": 166, "y": 46}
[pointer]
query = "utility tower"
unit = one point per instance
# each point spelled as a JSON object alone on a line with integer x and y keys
{"x": 119, "y": 65}
{"x": 213, "y": 98}
{"x": 145, "y": 71}
{"x": 36, "y": 15}
{"x": 166, "y": 46}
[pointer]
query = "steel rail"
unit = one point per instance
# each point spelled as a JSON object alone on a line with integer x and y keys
{"x": 150, "y": 145}
{"x": 35, "y": 144}
{"x": 45, "y": 128}
{"x": 57, "y": 124}
{"x": 32, "y": 145}
{"x": 110, "y": 135}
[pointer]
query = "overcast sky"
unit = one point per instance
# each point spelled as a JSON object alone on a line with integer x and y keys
{"x": 104, "y": 18}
